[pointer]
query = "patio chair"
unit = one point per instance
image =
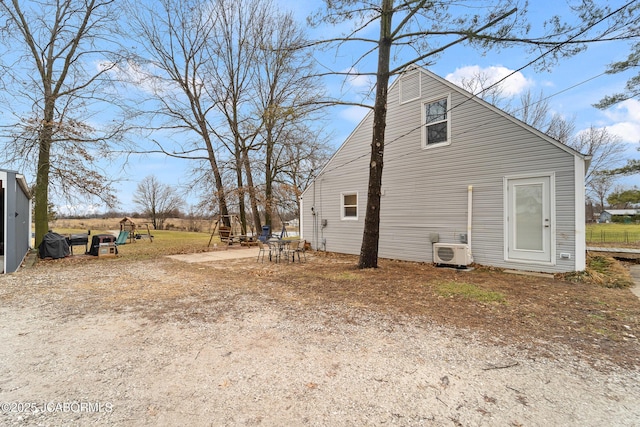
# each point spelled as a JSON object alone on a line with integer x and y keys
{"x": 266, "y": 233}
{"x": 263, "y": 248}
{"x": 288, "y": 249}
{"x": 300, "y": 248}
{"x": 276, "y": 249}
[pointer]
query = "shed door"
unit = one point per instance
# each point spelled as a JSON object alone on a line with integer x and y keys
{"x": 529, "y": 219}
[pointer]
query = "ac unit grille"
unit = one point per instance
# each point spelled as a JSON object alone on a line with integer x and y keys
{"x": 445, "y": 254}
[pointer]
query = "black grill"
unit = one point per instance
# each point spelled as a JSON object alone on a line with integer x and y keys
{"x": 78, "y": 240}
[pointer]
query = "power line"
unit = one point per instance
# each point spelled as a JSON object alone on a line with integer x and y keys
{"x": 554, "y": 48}
{"x": 528, "y": 64}
{"x": 419, "y": 127}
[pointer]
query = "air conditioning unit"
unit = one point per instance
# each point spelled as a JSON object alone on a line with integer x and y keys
{"x": 457, "y": 254}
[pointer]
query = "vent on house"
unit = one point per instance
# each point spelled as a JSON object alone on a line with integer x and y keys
{"x": 410, "y": 86}
{"x": 456, "y": 254}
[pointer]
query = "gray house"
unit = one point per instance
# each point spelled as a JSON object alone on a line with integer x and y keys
{"x": 15, "y": 234}
{"x": 463, "y": 182}
{"x": 607, "y": 216}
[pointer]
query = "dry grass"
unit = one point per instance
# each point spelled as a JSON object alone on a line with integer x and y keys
{"x": 96, "y": 224}
{"x": 590, "y": 313}
{"x": 603, "y": 271}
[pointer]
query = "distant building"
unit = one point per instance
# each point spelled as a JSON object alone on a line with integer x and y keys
{"x": 608, "y": 215}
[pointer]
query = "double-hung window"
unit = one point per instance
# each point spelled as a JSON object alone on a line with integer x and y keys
{"x": 437, "y": 125}
{"x": 349, "y": 203}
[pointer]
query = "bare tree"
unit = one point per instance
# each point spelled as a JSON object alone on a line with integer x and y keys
{"x": 607, "y": 152}
{"x": 287, "y": 97}
{"x": 560, "y": 128}
{"x": 174, "y": 68}
{"x": 50, "y": 73}
{"x": 482, "y": 84}
{"x": 233, "y": 53}
{"x": 534, "y": 110}
{"x": 600, "y": 186}
{"x": 226, "y": 71}
{"x": 157, "y": 200}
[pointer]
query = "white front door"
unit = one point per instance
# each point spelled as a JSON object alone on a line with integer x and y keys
{"x": 529, "y": 227}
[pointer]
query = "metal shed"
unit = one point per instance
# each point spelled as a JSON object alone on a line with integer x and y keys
{"x": 15, "y": 233}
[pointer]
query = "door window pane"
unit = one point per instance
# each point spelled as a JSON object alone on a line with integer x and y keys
{"x": 529, "y": 217}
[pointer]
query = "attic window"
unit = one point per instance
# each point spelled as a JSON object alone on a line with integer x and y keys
{"x": 349, "y": 205}
{"x": 437, "y": 127}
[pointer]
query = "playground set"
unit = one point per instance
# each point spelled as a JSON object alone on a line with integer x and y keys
{"x": 128, "y": 232}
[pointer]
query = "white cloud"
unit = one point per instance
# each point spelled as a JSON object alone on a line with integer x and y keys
{"x": 629, "y": 132}
{"x": 354, "y": 114}
{"x": 512, "y": 85}
{"x": 79, "y": 209}
{"x": 358, "y": 81}
{"x": 625, "y": 119}
{"x": 629, "y": 109}
{"x": 145, "y": 79}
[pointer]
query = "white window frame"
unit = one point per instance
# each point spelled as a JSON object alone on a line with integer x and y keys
{"x": 343, "y": 206}
{"x": 424, "y": 121}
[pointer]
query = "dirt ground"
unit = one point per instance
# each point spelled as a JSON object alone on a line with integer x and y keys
{"x": 88, "y": 341}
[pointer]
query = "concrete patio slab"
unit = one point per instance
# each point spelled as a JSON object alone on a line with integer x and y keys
{"x": 217, "y": 255}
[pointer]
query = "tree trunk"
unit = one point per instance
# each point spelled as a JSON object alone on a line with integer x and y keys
{"x": 240, "y": 184}
{"x": 41, "y": 208}
{"x": 220, "y": 193}
{"x": 253, "y": 199}
{"x": 268, "y": 175}
{"x": 371, "y": 235}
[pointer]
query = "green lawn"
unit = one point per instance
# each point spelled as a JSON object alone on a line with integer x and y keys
{"x": 613, "y": 233}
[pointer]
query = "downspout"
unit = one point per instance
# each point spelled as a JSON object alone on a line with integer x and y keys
{"x": 321, "y": 226}
{"x": 3, "y": 223}
{"x": 469, "y": 217}
{"x": 314, "y": 216}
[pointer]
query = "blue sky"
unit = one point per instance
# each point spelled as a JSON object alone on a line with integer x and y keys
{"x": 622, "y": 119}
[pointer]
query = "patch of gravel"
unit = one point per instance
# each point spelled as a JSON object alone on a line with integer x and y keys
{"x": 246, "y": 359}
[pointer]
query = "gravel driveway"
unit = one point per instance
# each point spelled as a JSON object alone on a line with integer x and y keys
{"x": 124, "y": 344}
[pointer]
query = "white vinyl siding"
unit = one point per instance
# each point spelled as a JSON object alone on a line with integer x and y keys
{"x": 426, "y": 191}
{"x": 410, "y": 86}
